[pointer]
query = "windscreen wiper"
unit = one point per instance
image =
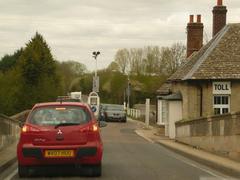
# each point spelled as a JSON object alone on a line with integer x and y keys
{"x": 65, "y": 124}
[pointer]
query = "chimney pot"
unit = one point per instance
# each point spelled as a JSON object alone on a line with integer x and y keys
{"x": 198, "y": 18}
{"x": 191, "y": 17}
{"x": 219, "y": 3}
{"x": 219, "y": 17}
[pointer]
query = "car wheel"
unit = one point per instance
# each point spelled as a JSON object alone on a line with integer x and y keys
{"x": 22, "y": 171}
{"x": 96, "y": 170}
{"x": 92, "y": 170}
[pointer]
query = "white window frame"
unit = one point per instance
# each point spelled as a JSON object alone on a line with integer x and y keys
{"x": 222, "y": 106}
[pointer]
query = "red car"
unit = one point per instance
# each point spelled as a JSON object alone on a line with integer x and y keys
{"x": 60, "y": 133}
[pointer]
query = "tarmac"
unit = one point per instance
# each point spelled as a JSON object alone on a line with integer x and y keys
{"x": 152, "y": 134}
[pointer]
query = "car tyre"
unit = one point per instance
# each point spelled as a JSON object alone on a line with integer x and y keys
{"x": 96, "y": 170}
{"x": 92, "y": 170}
{"x": 22, "y": 171}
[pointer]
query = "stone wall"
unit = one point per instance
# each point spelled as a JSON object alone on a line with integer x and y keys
{"x": 218, "y": 134}
{"x": 9, "y": 128}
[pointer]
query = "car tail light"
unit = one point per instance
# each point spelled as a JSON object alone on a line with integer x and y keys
{"x": 27, "y": 128}
{"x": 94, "y": 127}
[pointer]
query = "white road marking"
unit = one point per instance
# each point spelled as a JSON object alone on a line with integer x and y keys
{"x": 146, "y": 138}
{"x": 196, "y": 165}
{"x": 10, "y": 176}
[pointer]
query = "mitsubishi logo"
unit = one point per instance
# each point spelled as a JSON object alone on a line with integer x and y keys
{"x": 59, "y": 136}
{"x": 59, "y": 132}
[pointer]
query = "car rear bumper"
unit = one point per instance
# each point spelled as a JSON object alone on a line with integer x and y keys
{"x": 29, "y": 154}
{"x": 116, "y": 118}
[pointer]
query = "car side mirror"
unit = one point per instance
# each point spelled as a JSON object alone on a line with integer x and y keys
{"x": 102, "y": 124}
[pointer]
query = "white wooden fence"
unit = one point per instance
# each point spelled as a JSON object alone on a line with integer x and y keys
{"x": 134, "y": 113}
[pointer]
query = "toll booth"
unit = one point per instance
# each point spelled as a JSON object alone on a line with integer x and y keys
{"x": 94, "y": 102}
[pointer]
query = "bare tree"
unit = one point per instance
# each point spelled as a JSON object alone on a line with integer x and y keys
{"x": 178, "y": 56}
{"x": 136, "y": 61}
{"x": 122, "y": 59}
{"x": 151, "y": 60}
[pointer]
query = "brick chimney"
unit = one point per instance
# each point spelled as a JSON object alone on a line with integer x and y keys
{"x": 194, "y": 35}
{"x": 219, "y": 17}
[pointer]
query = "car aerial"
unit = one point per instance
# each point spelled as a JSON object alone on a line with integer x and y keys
{"x": 57, "y": 134}
{"x": 114, "y": 112}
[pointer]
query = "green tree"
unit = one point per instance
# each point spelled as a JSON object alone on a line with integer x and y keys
{"x": 71, "y": 72}
{"x": 9, "y": 61}
{"x": 40, "y": 80}
{"x": 113, "y": 67}
{"x": 36, "y": 60}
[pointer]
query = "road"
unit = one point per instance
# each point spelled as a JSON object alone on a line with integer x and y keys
{"x": 128, "y": 156}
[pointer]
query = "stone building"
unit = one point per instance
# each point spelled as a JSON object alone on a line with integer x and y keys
{"x": 208, "y": 83}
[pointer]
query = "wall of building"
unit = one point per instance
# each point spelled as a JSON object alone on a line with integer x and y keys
{"x": 191, "y": 93}
{"x": 207, "y": 99}
{"x": 235, "y": 96}
{"x": 218, "y": 134}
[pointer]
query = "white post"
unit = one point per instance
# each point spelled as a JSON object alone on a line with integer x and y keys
{"x": 147, "y": 112}
{"x": 138, "y": 113}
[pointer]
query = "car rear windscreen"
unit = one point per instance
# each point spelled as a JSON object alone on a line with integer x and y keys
{"x": 54, "y": 115}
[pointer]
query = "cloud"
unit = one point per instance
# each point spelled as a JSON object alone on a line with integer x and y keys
{"x": 75, "y": 28}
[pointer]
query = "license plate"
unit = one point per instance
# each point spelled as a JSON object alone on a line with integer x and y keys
{"x": 59, "y": 153}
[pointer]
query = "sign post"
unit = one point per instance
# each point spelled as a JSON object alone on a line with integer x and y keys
{"x": 95, "y": 84}
{"x": 94, "y": 102}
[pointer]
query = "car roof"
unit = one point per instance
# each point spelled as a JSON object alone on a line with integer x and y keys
{"x": 60, "y": 104}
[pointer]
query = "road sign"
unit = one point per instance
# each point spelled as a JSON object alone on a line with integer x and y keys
{"x": 93, "y": 108}
{"x": 94, "y": 102}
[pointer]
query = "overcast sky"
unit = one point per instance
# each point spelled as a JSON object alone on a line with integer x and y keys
{"x": 75, "y": 28}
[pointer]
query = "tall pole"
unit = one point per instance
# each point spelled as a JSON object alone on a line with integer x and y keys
{"x": 95, "y": 79}
{"x": 95, "y": 67}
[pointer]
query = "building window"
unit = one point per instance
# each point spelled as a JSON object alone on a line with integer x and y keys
{"x": 221, "y": 104}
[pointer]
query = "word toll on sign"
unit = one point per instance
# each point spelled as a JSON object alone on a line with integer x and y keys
{"x": 222, "y": 87}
